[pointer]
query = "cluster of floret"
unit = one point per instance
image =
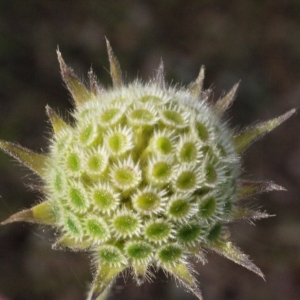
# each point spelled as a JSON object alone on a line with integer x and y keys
{"x": 137, "y": 167}
{"x": 147, "y": 175}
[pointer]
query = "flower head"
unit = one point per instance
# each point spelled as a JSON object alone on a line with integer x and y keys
{"x": 147, "y": 176}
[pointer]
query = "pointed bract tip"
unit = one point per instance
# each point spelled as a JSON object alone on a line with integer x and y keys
{"x": 57, "y": 123}
{"x": 225, "y": 102}
{"x": 199, "y": 254}
{"x": 62, "y": 64}
{"x": 36, "y": 162}
{"x": 196, "y": 87}
{"x": 228, "y": 250}
{"x": 21, "y": 216}
{"x": 41, "y": 213}
{"x": 244, "y": 139}
{"x": 93, "y": 83}
{"x": 115, "y": 70}
{"x": 140, "y": 273}
{"x": 248, "y": 214}
{"x": 94, "y": 296}
{"x": 106, "y": 275}
{"x": 67, "y": 242}
{"x": 139, "y": 279}
{"x": 249, "y": 188}
{"x": 182, "y": 273}
{"x": 78, "y": 91}
{"x": 160, "y": 75}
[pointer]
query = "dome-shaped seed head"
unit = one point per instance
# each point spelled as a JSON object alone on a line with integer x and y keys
{"x": 147, "y": 175}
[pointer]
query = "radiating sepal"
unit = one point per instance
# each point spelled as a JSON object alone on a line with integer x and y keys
{"x": 104, "y": 278}
{"x": 115, "y": 70}
{"x": 244, "y": 139}
{"x": 240, "y": 213}
{"x": 228, "y": 250}
{"x": 68, "y": 242}
{"x": 224, "y": 103}
{"x": 249, "y": 188}
{"x": 181, "y": 272}
{"x": 198, "y": 254}
{"x": 140, "y": 272}
{"x": 35, "y": 162}
{"x": 195, "y": 88}
{"x": 57, "y": 123}
{"x": 77, "y": 89}
{"x": 95, "y": 88}
{"x": 160, "y": 75}
{"x": 42, "y": 213}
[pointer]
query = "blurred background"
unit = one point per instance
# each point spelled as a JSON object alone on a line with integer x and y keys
{"x": 255, "y": 41}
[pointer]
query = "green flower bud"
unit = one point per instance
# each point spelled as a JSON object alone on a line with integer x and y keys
{"x": 148, "y": 175}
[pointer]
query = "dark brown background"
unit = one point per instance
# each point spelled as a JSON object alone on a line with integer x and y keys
{"x": 255, "y": 41}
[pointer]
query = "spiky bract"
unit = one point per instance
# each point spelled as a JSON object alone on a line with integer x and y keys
{"x": 148, "y": 175}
